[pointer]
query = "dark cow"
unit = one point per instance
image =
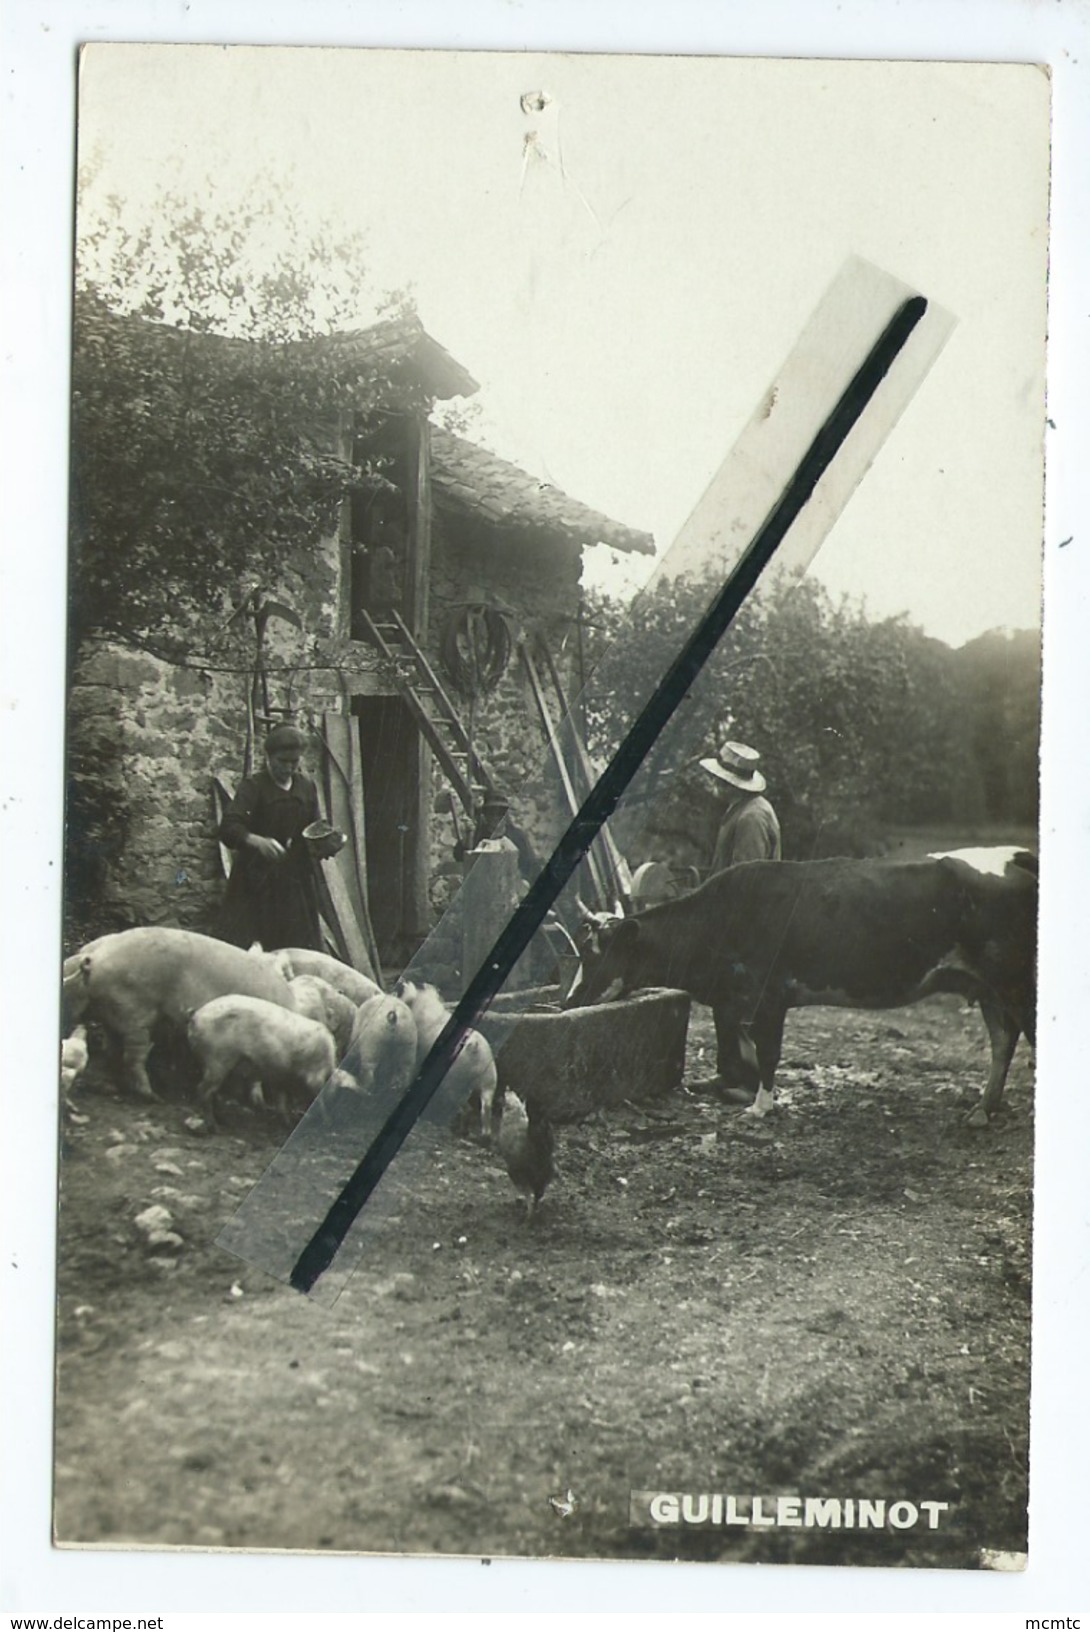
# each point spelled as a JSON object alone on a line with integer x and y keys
{"x": 768, "y": 936}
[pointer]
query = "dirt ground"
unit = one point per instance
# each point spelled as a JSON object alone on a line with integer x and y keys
{"x": 834, "y": 1302}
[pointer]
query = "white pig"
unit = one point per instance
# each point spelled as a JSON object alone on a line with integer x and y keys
{"x": 318, "y": 1000}
{"x": 277, "y": 961}
{"x": 473, "y": 1070}
{"x": 383, "y": 1051}
{"x": 130, "y": 980}
{"x": 279, "y": 1049}
{"x": 349, "y": 982}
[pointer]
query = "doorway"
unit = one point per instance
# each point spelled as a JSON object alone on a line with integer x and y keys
{"x": 394, "y": 824}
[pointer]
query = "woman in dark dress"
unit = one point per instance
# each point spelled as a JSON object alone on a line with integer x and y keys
{"x": 271, "y": 895}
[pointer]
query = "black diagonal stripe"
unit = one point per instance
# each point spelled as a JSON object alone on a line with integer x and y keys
{"x": 603, "y": 798}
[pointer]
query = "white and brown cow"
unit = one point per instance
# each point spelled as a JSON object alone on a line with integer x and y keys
{"x": 766, "y": 937}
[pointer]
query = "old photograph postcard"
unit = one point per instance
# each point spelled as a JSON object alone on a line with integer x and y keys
{"x": 555, "y": 541}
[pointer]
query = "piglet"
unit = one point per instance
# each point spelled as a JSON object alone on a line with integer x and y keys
{"x": 382, "y": 1056}
{"x": 349, "y": 982}
{"x": 473, "y": 1070}
{"x": 320, "y": 1001}
{"x": 276, "y": 1047}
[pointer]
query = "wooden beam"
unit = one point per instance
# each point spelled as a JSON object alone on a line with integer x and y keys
{"x": 344, "y": 916}
{"x": 330, "y": 918}
{"x": 221, "y": 798}
{"x": 421, "y": 527}
{"x": 557, "y": 750}
{"x": 359, "y": 856}
{"x": 619, "y": 871}
{"x": 346, "y": 873}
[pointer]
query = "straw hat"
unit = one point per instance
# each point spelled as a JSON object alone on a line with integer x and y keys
{"x": 736, "y": 764}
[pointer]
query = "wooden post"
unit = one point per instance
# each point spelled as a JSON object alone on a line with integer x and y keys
{"x": 614, "y": 864}
{"x": 344, "y": 801}
{"x": 420, "y": 529}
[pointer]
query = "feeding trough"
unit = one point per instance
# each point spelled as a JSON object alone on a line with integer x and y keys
{"x": 574, "y": 1061}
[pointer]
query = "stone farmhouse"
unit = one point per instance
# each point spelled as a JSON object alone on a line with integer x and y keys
{"x": 425, "y": 643}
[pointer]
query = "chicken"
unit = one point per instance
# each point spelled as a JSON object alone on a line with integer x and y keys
{"x": 73, "y": 1065}
{"x": 525, "y": 1142}
{"x": 73, "y": 1058}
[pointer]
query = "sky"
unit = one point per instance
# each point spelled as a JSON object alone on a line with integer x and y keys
{"x": 624, "y": 261}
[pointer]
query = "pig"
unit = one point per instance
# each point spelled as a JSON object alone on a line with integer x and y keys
{"x": 344, "y": 979}
{"x": 279, "y": 962}
{"x": 278, "y": 1048}
{"x": 473, "y": 1070}
{"x": 382, "y": 1055}
{"x": 133, "y": 979}
{"x": 318, "y": 1000}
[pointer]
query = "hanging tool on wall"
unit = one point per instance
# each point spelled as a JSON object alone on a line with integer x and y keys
{"x": 257, "y": 700}
{"x": 476, "y": 649}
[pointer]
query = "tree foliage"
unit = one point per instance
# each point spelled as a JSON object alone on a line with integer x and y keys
{"x": 207, "y": 405}
{"x": 862, "y": 725}
{"x": 998, "y": 679}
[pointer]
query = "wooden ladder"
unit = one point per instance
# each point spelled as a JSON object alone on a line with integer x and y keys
{"x": 431, "y": 707}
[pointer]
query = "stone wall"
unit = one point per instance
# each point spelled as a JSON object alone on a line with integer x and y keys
{"x": 146, "y": 736}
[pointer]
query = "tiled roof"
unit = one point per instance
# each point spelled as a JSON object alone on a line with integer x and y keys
{"x": 468, "y": 477}
{"x": 400, "y": 342}
{"x": 464, "y": 475}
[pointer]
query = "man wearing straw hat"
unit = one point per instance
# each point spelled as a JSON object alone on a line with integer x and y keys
{"x": 749, "y": 830}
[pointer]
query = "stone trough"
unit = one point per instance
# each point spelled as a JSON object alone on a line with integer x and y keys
{"x": 574, "y": 1061}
